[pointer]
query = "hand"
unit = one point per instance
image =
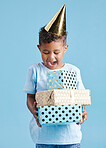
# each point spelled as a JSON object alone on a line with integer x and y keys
{"x": 35, "y": 113}
{"x": 84, "y": 115}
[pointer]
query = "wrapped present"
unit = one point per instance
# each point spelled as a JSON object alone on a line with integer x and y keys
{"x": 61, "y": 79}
{"x": 60, "y": 114}
{"x": 80, "y": 96}
{"x": 53, "y": 97}
{"x": 63, "y": 97}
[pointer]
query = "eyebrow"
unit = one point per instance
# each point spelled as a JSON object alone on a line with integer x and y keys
{"x": 45, "y": 50}
{"x": 48, "y": 50}
{"x": 57, "y": 50}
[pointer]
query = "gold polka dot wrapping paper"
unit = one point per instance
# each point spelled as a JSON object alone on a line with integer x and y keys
{"x": 61, "y": 114}
{"x": 61, "y": 79}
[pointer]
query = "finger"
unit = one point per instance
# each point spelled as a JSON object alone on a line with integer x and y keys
{"x": 35, "y": 112}
{"x": 35, "y": 104}
{"x": 85, "y": 117}
{"x": 35, "y": 109}
{"x": 81, "y": 121}
{"x": 84, "y": 113}
{"x": 35, "y": 116}
{"x": 38, "y": 122}
{"x": 83, "y": 107}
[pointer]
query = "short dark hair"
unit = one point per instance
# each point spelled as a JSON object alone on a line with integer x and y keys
{"x": 46, "y": 37}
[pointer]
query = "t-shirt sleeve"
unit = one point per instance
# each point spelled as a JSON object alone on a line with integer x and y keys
{"x": 79, "y": 81}
{"x": 30, "y": 83}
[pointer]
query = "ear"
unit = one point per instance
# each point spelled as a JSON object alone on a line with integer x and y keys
{"x": 66, "y": 47}
{"x": 39, "y": 47}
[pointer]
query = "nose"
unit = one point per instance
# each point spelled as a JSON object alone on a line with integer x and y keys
{"x": 51, "y": 57}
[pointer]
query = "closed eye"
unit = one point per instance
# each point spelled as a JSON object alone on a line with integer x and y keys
{"x": 56, "y": 52}
{"x": 46, "y": 52}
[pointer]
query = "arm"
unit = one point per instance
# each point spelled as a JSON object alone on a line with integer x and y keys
{"x": 84, "y": 115}
{"x": 81, "y": 86}
{"x": 31, "y": 104}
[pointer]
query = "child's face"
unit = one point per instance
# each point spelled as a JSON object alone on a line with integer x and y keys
{"x": 52, "y": 53}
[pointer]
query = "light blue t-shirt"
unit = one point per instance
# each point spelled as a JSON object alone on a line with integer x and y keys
{"x": 56, "y": 134}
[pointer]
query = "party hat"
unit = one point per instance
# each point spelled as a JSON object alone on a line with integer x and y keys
{"x": 58, "y": 23}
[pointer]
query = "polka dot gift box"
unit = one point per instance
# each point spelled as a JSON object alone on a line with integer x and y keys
{"x": 61, "y": 79}
{"x": 61, "y": 114}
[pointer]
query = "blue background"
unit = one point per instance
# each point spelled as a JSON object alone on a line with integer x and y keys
{"x": 20, "y": 22}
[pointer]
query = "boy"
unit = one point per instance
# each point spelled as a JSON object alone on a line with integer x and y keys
{"x": 52, "y": 46}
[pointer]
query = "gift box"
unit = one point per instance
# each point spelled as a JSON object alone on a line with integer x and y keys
{"x": 81, "y": 96}
{"x": 61, "y": 79}
{"x": 63, "y": 97}
{"x": 53, "y": 97}
{"x": 60, "y": 114}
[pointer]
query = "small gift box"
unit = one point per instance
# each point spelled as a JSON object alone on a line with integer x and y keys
{"x": 61, "y": 79}
{"x": 60, "y": 114}
{"x": 63, "y": 97}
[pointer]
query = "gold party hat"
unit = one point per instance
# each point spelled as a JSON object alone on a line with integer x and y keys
{"x": 58, "y": 23}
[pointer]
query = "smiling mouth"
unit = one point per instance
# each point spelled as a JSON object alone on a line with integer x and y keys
{"x": 51, "y": 64}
